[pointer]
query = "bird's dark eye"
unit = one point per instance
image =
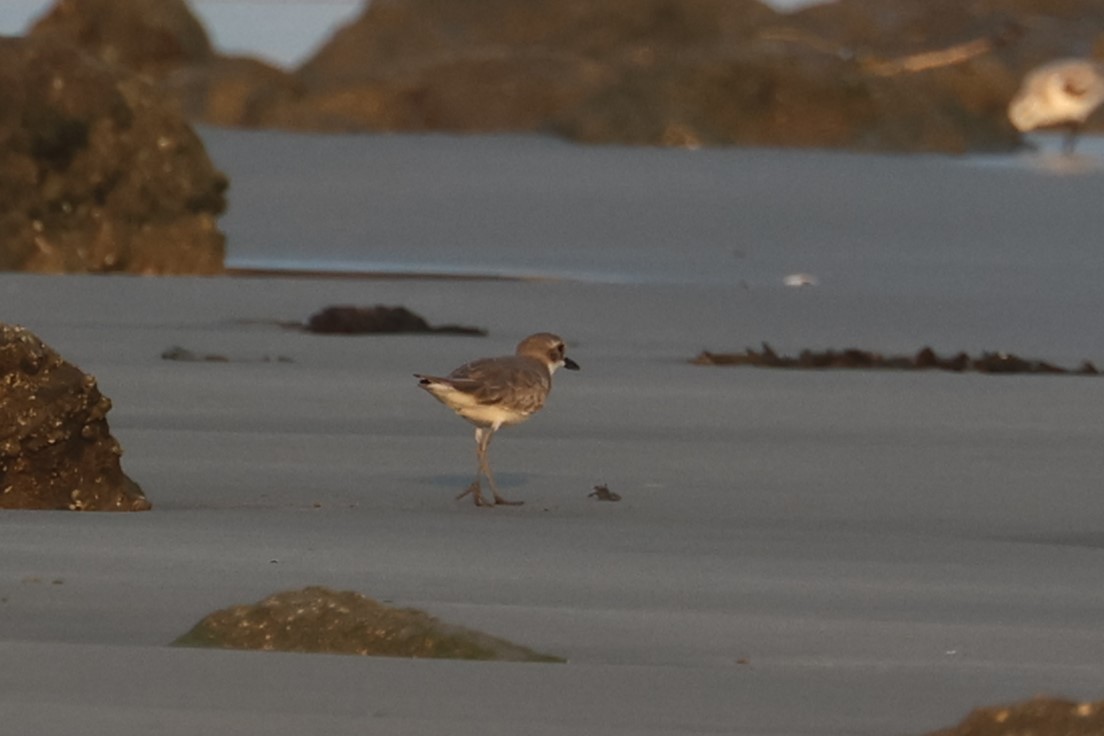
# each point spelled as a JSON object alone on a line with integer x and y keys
{"x": 1074, "y": 89}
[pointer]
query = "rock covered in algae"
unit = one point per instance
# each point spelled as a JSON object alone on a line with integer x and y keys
{"x": 56, "y": 450}
{"x": 1038, "y": 716}
{"x": 321, "y": 620}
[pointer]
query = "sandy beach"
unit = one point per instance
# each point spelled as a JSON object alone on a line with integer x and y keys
{"x": 796, "y": 552}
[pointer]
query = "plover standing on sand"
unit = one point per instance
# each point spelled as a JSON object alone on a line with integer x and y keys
{"x": 1062, "y": 93}
{"x": 492, "y": 392}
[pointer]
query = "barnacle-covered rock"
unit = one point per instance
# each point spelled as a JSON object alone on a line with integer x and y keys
{"x": 56, "y": 450}
{"x": 98, "y": 169}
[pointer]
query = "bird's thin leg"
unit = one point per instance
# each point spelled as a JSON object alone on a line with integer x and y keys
{"x": 1070, "y": 139}
{"x": 485, "y": 466}
{"x": 474, "y": 488}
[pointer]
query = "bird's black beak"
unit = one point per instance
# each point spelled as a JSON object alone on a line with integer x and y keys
{"x": 570, "y": 364}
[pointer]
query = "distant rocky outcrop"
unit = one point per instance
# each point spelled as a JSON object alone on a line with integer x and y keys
{"x": 56, "y": 450}
{"x": 652, "y": 72}
{"x": 98, "y": 171}
{"x": 165, "y": 42}
{"x": 151, "y": 37}
{"x": 906, "y": 75}
{"x": 323, "y": 620}
{"x": 231, "y": 91}
{"x": 501, "y": 64}
{"x": 893, "y": 75}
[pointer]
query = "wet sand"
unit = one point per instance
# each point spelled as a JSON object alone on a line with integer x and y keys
{"x": 795, "y": 553}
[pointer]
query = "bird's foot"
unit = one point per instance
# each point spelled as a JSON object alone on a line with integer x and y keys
{"x": 477, "y": 494}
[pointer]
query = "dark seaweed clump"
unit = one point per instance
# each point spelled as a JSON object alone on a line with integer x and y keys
{"x": 924, "y": 359}
{"x": 347, "y": 320}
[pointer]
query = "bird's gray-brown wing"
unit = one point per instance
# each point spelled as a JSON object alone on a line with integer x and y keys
{"x": 520, "y": 383}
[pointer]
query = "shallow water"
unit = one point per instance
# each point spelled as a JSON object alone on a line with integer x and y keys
{"x": 536, "y": 207}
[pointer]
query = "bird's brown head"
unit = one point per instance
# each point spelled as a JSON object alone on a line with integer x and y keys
{"x": 548, "y": 349}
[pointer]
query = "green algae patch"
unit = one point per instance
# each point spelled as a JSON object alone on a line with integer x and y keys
{"x": 321, "y": 620}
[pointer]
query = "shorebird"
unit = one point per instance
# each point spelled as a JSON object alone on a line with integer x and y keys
{"x": 493, "y": 392}
{"x": 1062, "y": 93}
